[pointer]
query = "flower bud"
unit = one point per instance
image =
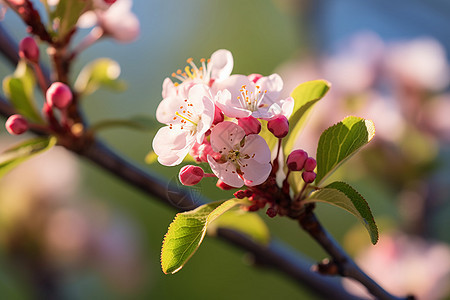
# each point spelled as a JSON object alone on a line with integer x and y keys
{"x": 250, "y": 124}
{"x": 218, "y": 115}
{"x": 254, "y": 77}
{"x": 190, "y": 175}
{"x": 222, "y": 185}
{"x": 59, "y": 95}
{"x": 296, "y": 160}
{"x": 308, "y": 176}
{"x": 271, "y": 212}
{"x": 310, "y": 164}
{"x": 29, "y": 50}
{"x": 16, "y": 124}
{"x": 279, "y": 126}
{"x": 239, "y": 194}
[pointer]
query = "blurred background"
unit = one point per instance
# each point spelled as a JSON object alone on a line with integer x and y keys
{"x": 70, "y": 229}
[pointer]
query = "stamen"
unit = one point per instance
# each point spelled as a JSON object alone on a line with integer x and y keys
{"x": 181, "y": 116}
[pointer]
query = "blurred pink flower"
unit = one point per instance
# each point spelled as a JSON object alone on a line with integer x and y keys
{"x": 406, "y": 265}
{"x": 420, "y": 62}
{"x": 116, "y": 20}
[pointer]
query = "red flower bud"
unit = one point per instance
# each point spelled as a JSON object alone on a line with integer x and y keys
{"x": 190, "y": 175}
{"x": 16, "y": 124}
{"x": 308, "y": 176}
{"x": 29, "y": 50}
{"x": 59, "y": 95}
{"x": 254, "y": 77}
{"x": 310, "y": 164}
{"x": 279, "y": 126}
{"x": 250, "y": 124}
{"x": 271, "y": 212}
{"x": 222, "y": 185}
{"x": 296, "y": 160}
{"x": 239, "y": 194}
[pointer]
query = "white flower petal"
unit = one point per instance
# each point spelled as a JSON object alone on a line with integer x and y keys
{"x": 233, "y": 84}
{"x": 226, "y": 136}
{"x": 256, "y": 147}
{"x": 221, "y": 64}
{"x": 255, "y": 172}
{"x": 226, "y": 172}
{"x": 172, "y": 145}
{"x": 168, "y": 88}
{"x": 273, "y": 84}
{"x": 167, "y": 108}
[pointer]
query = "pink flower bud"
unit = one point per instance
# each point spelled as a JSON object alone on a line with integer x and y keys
{"x": 222, "y": 185}
{"x": 296, "y": 160}
{"x": 254, "y": 77}
{"x": 16, "y": 124}
{"x": 250, "y": 124}
{"x": 109, "y": 1}
{"x": 279, "y": 126}
{"x": 28, "y": 49}
{"x": 190, "y": 175}
{"x": 310, "y": 164}
{"x": 218, "y": 115}
{"x": 59, "y": 95}
{"x": 308, "y": 176}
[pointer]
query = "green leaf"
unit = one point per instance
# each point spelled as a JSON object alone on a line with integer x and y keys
{"x": 340, "y": 142}
{"x": 102, "y": 72}
{"x": 305, "y": 96}
{"x": 342, "y": 195}
{"x": 19, "y": 89}
{"x": 67, "y": 13}
{"x": 249, "y": 224}
{"x": 20, "y": 153}
{"x": 267, "y": 135}
{"x": 186, "y": 232}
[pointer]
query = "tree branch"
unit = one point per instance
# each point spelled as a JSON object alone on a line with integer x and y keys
{"x": 344, "y": 264}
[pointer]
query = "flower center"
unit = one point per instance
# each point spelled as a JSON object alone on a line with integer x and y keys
{"x": 251, "y": 100}
{"x": 186, "y": 117}
{"x": 193, "y": 73}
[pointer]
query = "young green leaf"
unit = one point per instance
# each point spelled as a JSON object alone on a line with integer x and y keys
{"x": 186, "y": 232}
{"x": 305, "y": 96}
{"x": 249, "y": 224}
{"x": 102, "y": 72}
{"x": 340, "y": 142}
{"x": 267, "y": 135}
{"x": 67, "y": 13}
{"x": 19, "y": 89}
{"x": 25, "y": 150}
{"x": 342, "y": 195}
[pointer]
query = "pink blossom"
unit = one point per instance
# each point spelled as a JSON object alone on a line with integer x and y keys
{"x": 406, "y": 265}
{"x": 187, "y": 119}
{"x": 116, "y": 20}
{"x": 216, "y": 69}
{"x": 250, "y": 98}
{"x": 244, "y": 159}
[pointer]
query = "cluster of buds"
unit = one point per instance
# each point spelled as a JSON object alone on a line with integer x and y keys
{"x": 298, "y": 160}
{"x": 58, "y": 96}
